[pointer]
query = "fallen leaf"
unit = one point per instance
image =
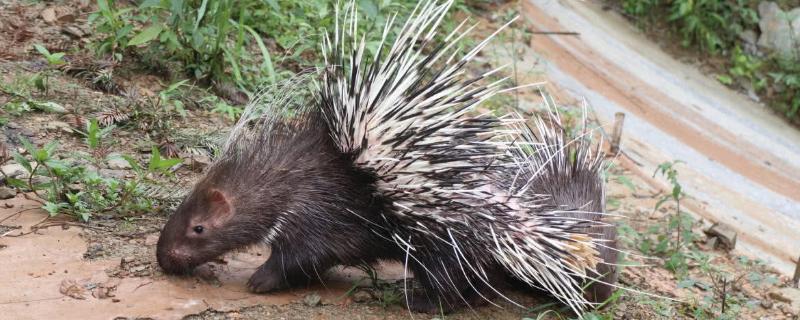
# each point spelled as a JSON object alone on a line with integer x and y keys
{"x": 71, "y": 288}
{"x": 49, "y": 15}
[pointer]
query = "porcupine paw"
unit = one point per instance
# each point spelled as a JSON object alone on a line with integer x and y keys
{"x": 266, "y": 280}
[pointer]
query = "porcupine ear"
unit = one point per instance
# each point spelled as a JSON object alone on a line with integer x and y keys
{"x": 220, "y": 208}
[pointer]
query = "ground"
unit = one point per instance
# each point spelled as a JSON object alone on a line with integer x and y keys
{"x": 61, "y": 267}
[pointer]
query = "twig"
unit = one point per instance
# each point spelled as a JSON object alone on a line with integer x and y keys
{"x": 796, "y": 278}
{"x": 616, "y": 135}
{"x": 557, "y": 33}
{"x": 16, "y": 214}
{"x": 39, "y": 225}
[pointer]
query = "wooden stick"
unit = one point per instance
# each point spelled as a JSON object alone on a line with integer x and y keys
{"x": 557, "y": 33}
{"x": 616, "y": 136}
{"x": 796, "y": 278}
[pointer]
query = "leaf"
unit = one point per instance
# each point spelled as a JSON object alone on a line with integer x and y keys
{"x": 49, "y": 106}
{"x": 146, "y": 35}
{"x": 725, "y": 79}
{"x": 103, "y": 6}
{"x": 53, "y": 208}
{"x": 267, "y": 64}
{"x": 134, "y": 164}
{"x": 42, "y": 50}
{"x": 200, "y": 14}
{"x": 92, "y": 136}
{"x": 23, "y": 161}
{"x": 16, "y": 183}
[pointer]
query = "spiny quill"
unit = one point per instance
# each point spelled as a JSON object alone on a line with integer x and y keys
{"x": 405, "y": 118}
{"x": 383, "y": 158}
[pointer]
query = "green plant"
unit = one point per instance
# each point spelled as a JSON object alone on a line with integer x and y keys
{"x": 658, "y": 238}
{"x": 787, "y": 79}
{"x": 68, "y": 187}
{"x": 53, "y": 59}
{"x": 116, "y": 24}
{"x": 745, "y": 67}
{"x": 229, "y": 111}
{"x": 21, "y": 98}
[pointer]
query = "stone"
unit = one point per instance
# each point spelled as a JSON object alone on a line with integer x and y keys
{"x": 362, "y": 296}
{"x": 790, "y": 296}
{"x": 115, "y": 162}
{"x": 49, "y": 15}
{"x": 116, "y": 174}
{"x": 7, "y": 193}
{"x": 750, "y": 40}
{"x": 780, "y": 30}
{"x": 196, "y": 162}
{"x": 725, "y": 235}
{"x": 14, "y": 170}
{"x": 58, "y": 125}
{"x": 312, "y": 300}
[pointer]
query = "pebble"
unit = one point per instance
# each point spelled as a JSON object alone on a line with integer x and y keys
{"x": 116, "y": 174}
{"x": 58, "y": 125}
{"x": 791, "y": 296}
{"x": 13, "y": 170}
{"x": 115, "y": 162}
{"x": 312, "y": 300}
{"x": 7, "y": 193}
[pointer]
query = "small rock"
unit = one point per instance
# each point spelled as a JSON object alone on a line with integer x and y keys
{"x": 72, "y": 289}
{"x": 750, "y": 40}
{"x": 791, "y": 296}
{"x": 780, "y": 30}
{"x": 126, "y": 260}
{"x": 93, "y": 251}
{"x": 7, "y": 193}
{"x": 726, "y": 235}
{"x": 196, "y": 162}
{"x": 766, "y": 304}
{"x": 312, "y": 300}
{"x": 13, "y": 170}
{"x": 49, "y": 15}
{"x": 73, "y": 31}
{"x": 116, "y": 162}
{"x": 58, "y": 125}
{"x": 116, "y": 174}
{"x": 13, "y": 125}
{"x": 40, "y": 180}
{"x": 27, "y": 132}
{"x": 362, "y": 296}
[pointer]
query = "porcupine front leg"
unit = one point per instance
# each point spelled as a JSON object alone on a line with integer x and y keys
{"x": 287, "y": 268}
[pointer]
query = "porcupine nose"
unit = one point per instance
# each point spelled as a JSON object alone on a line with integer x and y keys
{"x": 173, "y": 259}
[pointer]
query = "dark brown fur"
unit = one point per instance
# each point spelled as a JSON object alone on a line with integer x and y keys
{"x": 330, "y": 214}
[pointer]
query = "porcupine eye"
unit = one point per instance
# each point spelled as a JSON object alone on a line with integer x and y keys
{"x": 198, "y": 229}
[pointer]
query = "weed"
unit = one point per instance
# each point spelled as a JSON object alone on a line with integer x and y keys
{"x": 68, "y": 187}
{"x": 715, "y": 26}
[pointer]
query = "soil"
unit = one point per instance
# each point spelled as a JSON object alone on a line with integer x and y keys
{"x": 56, "y": 267}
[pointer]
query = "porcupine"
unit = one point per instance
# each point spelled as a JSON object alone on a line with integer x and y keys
{"x": 384, "y": 160}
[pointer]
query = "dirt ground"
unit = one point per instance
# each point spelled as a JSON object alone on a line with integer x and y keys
{"x": 58, "y": 268}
